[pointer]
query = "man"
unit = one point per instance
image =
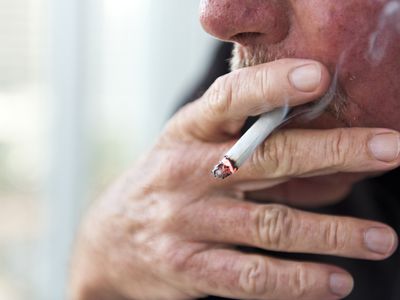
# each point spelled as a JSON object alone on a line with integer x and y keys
{"x": 168, "y": 230}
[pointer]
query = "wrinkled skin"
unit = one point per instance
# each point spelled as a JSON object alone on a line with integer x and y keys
{"x": 320, "y": 30}
{"x": 167, "y": 230}
{"x": 336, "y": 33}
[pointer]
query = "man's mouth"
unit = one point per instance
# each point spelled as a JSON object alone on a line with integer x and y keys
{"x": 333, "y": 103}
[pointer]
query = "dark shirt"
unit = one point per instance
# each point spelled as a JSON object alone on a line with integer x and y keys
{"x": 373, "y": 199}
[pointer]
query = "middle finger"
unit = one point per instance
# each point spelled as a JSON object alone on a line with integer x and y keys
{"x": 280, "y": 228}
{"x": 306, "y": 153}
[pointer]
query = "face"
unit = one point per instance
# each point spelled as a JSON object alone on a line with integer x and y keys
{"x": 360, "y": 39}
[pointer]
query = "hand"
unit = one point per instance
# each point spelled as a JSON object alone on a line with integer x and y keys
{"x": 168, "y": 230}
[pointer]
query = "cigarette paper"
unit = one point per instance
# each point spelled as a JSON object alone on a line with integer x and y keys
{"x": 249, "y": 142}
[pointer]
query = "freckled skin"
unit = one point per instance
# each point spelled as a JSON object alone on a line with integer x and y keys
{"x": 321, "y": 30}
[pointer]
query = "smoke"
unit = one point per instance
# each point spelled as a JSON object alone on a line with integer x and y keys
{"x": 315, "y": 109}
{"x": 388, "y": 26}
{"x": 386, "y": 30}
{"x": 322, "y": 104}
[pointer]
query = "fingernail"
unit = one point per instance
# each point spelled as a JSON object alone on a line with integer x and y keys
{"x": 306, "y": 78}
{"x": 385, "y": 146}
{"x": 380, "y": 240}
{"x": 341, "y": 284}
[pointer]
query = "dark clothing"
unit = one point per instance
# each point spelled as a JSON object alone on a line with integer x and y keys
{"x": 374, "y": 199}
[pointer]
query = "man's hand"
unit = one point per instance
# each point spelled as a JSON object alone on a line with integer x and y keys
{"x": 168, "y": 230}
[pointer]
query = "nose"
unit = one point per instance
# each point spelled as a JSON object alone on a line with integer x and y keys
{"x": 246, "y": 21}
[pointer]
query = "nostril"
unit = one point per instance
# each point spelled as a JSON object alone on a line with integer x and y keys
{"x": 246, "y": 22}
{"x": 245, "y": 38}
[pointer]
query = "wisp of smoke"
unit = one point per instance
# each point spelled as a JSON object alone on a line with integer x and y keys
{"x": 388, "y": 25}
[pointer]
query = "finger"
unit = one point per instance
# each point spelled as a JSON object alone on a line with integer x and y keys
{"x": 307, "y": 153}
{"x": 280, "y": 228}
{"x": 229, "y": 273}
{"x": 222, "y": 110}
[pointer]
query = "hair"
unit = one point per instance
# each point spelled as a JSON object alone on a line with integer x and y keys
{"x": 248, "y": 57}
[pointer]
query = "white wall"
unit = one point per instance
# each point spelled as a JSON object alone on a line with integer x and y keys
{"x": 152, "y": 51}
{"x": 103, "y": 77}
{"x": 118, "y": 71}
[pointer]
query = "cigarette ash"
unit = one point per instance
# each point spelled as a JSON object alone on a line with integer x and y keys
{"x": 225, "y": 168}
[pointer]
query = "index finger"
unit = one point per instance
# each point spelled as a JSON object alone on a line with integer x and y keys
{"x": 222, "y": 110}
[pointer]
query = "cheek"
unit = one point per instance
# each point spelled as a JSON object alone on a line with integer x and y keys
{"x": 326, "y": 28}
{"x": 373, "y": 90}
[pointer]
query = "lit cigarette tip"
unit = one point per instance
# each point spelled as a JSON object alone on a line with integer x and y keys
{"x": 248, "y": 143}
{"x": 225, "y": 168}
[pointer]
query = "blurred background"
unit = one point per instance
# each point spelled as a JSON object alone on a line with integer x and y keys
{"x": 85, "y": 87}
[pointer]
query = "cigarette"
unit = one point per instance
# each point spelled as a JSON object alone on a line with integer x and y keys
{"x": 249, "y": 142}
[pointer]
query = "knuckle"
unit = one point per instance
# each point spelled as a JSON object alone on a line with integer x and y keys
{"x": 177, "y": 260}
{"x": 300, "y": 282}
{"x": 337, "y": 148}
{"x": 169, "y": 174}
{"x": 220, "y": 95}
{"x": 334, "y": 236}
{"x": 254, "y": 279}
{"x": 274, "y": 157}
{"x": 175, "y": 128}
{"x": 273, "y": 226}
{"x": 182, "y": 259}
{"x": 263, "y": 77}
